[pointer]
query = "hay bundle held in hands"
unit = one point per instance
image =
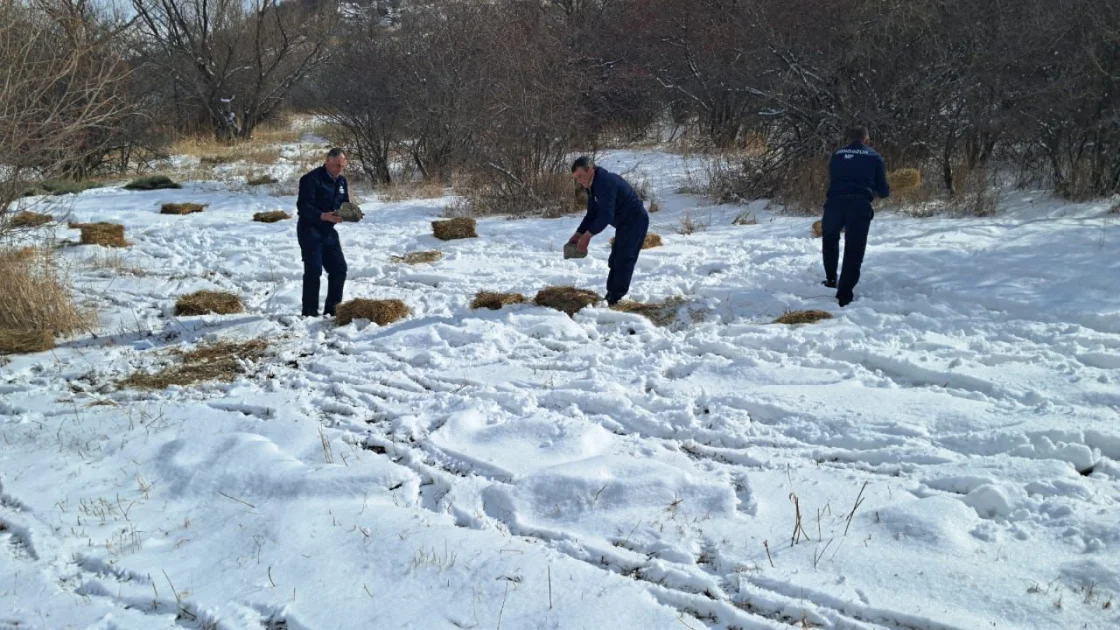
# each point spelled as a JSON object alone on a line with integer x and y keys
{"x": 380, "y": 312}
{"x": 652, "y": 240}
{"x": 451, "y": 229}
{"x": 28, "y": 219}
{"x": 803, "y": 317}
{"x": 106, "y": 234}
{"x": 567, "y": 299}
{"x": 16, "y": 341}
{"x": 495, "y": 300}
{"x": 152, "y": 182}
{"x": 181, "y": 208}
{"x": 271, "y": 216}
{"x": 207, "y": 302}
{"x": 904, "y": 181}
{"x": 419, "y": 258}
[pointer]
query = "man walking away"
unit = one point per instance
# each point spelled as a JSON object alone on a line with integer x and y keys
{"x": 611, "y": 201}
{"x": 321, "y": 193}
{"x": 857, "y": 174}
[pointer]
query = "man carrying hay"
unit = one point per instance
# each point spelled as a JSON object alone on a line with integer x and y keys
{"x": 857, "y": 174}
{"x": 321, "y": 193}
{"x": 611, "y": 201}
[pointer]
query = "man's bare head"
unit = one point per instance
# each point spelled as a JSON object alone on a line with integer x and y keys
{"x": 336, "y": 162}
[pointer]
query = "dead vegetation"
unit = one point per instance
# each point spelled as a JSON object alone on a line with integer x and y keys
{"x": 16, "y": 341}
{"x": 495, "y": 300}
{"x": 380, "y": 312}
{"x": 652, "y": 240}
{"x": 36, "y": 301}
{"x": 452, "y": 229}
{"x": 272, "y": 216}
{"x": 661, "y": 314}
{"x": 803, "y": 317}
{"x": 208, "y": 302}
{"x": 223, "y": 361}
{"x": 569, "y": 300}
{"x": 28, "y": 219}
{"x": 182, "y": 208}
{"x": 419, "y": 258}
{"x": 105, "y": 234}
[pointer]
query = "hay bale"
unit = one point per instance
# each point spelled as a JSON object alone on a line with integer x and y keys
{"x": 152, "y": 182}
{"x": 818, "y": 229}
{"x": 661, "y": 314}
{"x": 803, "y": 317}
{"x": 107, "y": 234}
{"x": 14, "y": 341}
{"x": 451, "y": 229}
{"x": 904, "y": 181}
{"x": 652, "y": 240}
{"x": 419, "y": 258}
{"x": 380, "y": 312}
{"x": 495, "y": 301}
{"x": 271, "y": 217}
{"x": 182, "y": 208}
{"x": 28, "y": 219}
{"x": 206, "y": 302}
{"x": 567, "y": 299}
{"x": 262, "y": 180}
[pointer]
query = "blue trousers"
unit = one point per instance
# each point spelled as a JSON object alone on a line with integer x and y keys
{"x": 855, "y": 221}
{"x": 321, "y": 250}
{"x": 628, "y": 239}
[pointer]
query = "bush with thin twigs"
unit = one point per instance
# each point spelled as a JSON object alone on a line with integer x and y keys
{"x": 223, "y": 361}
{"x": 28, "y": 219}
{"x": 452, "y": 229}
{"x": 978, "y": 195}
{"x": 208, "y": 302}
{"x": 495, "y": 300}
{"x": 152, "y": 182}
{"x": 661, "y": 314}
{"x": 419, "y": 258}
{"x": 652, "y": 240}
{"x": 271, "y": 216}
{"x": 380, "y": 312}
{"x": 16, "y": 341}
{"x": 803, "y": 317}
{"x": 105, "y": 234}
{"x": 569, "y": 300}
{"x": 36, "y": 297}
{"x": 182, "y": 208}
{"x": 690, "y": 225}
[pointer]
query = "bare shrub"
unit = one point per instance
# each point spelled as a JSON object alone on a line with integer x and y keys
{"x": 690, "y": 225}
{"x": 979, "y": 194}
{"x": 380, "y": 312}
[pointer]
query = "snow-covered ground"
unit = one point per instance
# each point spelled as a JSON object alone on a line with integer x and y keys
{"x": 950, "y": 440}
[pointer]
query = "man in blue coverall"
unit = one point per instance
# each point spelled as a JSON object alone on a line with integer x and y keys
{"x": 611, "y": 201}
{"x": 321, "y": 193}
{"x": 857, "y": 174}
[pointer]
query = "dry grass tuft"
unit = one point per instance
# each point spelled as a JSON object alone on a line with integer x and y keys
{"x": 419, "y": 258}
{"x": 380, "y": 312}
{"x": 15, "y": 341}
{"x": 262, "y": 180}
{"x": 495, "y": 301}
{"x": 652, "y": 240}
{"x": 152, "y": 182}
{"x": 690, "y": 225}
{"x": 207, "y": 302}
{"x": 451, "y": 229}
{"x": 567, "y": 299}
{"x": 803, "y": 317}
{"x": 182, "y": 208}
{"x": 222, "y": 361}
{"x": 818, "y": 228}
{"x": 662, "y": 314}
{"x": 36, "y": 297}
{"x": 106, "y": 234}
{"x": 904, "y": 181}
{"x": 271, "y": 217}
{"x": 27, "y": 219}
